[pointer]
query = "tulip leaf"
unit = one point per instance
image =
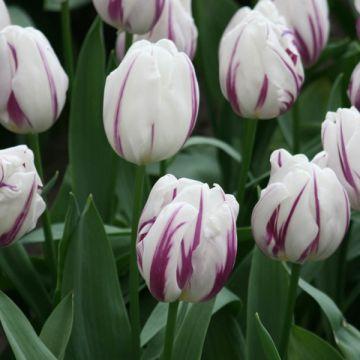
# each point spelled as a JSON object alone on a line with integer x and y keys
{"x": 336, "y": 94}
{"x": 101, "y": 328}
{"x": 19, "y": 16}
{"x": 50, "y": 185}
{"x": 267, "y": 294}
{"x": 55, "y": 5}
{"x": 92, "y": 160}
{"x": 16, "y": 264}
{"x": 267, "y": 342}
{"x": 305, "y": 345}
{"x": 347, "y": 337}
{"x": 24, "y": 342}
{"x": 57, "y": 329}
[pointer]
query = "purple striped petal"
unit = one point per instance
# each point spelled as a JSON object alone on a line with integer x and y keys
{"x": 194, "y": 98}
{"x": 115, "y": 10}
{"x": 263, "y": 93}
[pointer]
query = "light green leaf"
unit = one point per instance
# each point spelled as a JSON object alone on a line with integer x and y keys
{"x": 19, "y": 16}
{"x": 55, "y": 5}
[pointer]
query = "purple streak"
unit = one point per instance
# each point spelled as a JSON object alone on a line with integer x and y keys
{"x": 115, "y": 10}
{"x": 159, "y": 6}
{"x": 194, "y": 98}
{"x": 171, "y": 32}
{"x": 16, "y": 114}
{"x": 263, "y": 93}
{"x": 279, "y": 159}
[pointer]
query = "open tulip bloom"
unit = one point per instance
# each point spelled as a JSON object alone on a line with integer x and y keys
{"x": 187, "y": 240}
{"x": 4, "y": 15}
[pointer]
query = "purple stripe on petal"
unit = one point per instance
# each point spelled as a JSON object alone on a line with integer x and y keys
{"x": 194, "y": 98}
{"x": 263, "y": 93}
{"x": 159, "y": 6}
{"x": 171, "y": 32}
{"x": 301, "y": 46}
{"x": 279, "y": 159}
{"x": 117, "y": 117}
{"x": 115, "y": 10}
{"x": 16, "y": 114}
{"x": 53, "y": 94}
{"x": 14, "y": 55}
{"x": 8, "y": 237}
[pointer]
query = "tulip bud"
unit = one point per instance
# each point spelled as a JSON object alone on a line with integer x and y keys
{"x": 4, "y": 15}
{"x": 177, "y": 24}
{"x": 20, "y": 202}
{"x": 151, "y": 102}
{"x": 187, "y": 240}
{"x": 260, "y": 68}
{"x": 341, "y": 139}
{"x": 120, "y": 46}
{"x": 134, "y": 16}
{"x": 354, "y": 87}
{"x": 36, "y": 93}
{"x": 357, "y": 7}
{"x": 310, "y": 22}
{"x": 303, "y": 213}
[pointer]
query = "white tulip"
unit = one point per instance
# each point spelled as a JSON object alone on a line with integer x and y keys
{"x": 20, "y": 202}
{"x": 4, "y": 15}
{"x": 134, "y": 16}
{"x": 354, "y": 87}
{"x": 303, "y": 213}
{"x": 151, "y": 102}
{"x": 311, "y": 24}
{"x": 34, "y": 92}
{"x": 177, "y": 24}
{"x": 120, "y": 46}
{"x": 261, "y": 72}
{"x": 187, "y": 240}
{"x": 341, "y": 141}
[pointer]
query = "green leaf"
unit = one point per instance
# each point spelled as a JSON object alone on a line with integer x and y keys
{"x": 50, "y": 185}
{"x": 336, "y": 94}
{"x": 55, "y": 5}
{"x": 16, "y": 264}
{"x": 305, "y": 345}
{"x": 22, "y": 338}
{"x": 267, "y": 342}
{"x": 57, "y": 330}
{"x": 267, "y": 294}
{"x": 190, "y": 338}
{"x": 101, "y": 328}
{"x": 207, "y": 141}
{"x": 347, "y": 337}
{"x": 19, "y": 16}
{"x": 92, "y": 160}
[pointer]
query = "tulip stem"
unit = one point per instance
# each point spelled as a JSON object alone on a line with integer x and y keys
{"x": 292, "y": 293}
{"x": 163, "y": 168}
{"x": 48, "y": 245}
{"x": 248, "y": 148}
{"x": 170, "y": 330}
{"x": 67, "y": 39}
{"x": 133, "y": 270}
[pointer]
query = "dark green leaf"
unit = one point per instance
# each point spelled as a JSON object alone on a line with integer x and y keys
{"x": 101, "y": 328}
{"x": 57, "y": 330}
{"x": 92, "y": 160}
{"x": 50, "y": 184}
{"x": 22, "y": 338}
{"x": 336, "y": 95}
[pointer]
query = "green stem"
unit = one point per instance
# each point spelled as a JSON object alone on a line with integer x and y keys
{"x": 170, "y": 331}
{"x": 128, "y": 41}
{"x": 67, "y": 39}
{"x": 163, "y": 168}
{"x": 248, "y": 148}
{"x": 285, "y": 336}
{"x": 48, "y": 245}
{"x": 134, "y": 272}
{"x": 296, "y": 128}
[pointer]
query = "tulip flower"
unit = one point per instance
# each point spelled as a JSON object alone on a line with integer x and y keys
{"x": 354, "y": 87}
{"x": 261, "y": 72}
{"x": 187, "y": 240}
{"x": 34, "y": 91}
{"x": 4, "y": 15}
{"x": 303, "y": 213}
{"x": 310, "y": 21}
{"x": 340, "y": 137}
{"x": 151, "y": 102}
{"x": 20, "y": 202}
{"x": 177, "y": 24}
{"x": 357, "y": 7}
{"x": 134, "y": 16}
{"x": 120, "y": 46}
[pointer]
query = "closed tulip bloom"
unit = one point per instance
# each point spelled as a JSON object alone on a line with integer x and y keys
{"x": 151, "y": 102}
{"x": 261, "y": 72}
{"x": 354, "y": 87}
{"x": 357, "y": 7}
{"x": 187, "y": 240}
{"x": 134, "y": 16}
{"x": 177, "y": 24}
{"x": 20, "y": 202}
{"x": 120, "y": 46}
{"x": 341, "y": 141}
{"x": 303, "y": 213}
{"x": 36, "y": 84}
{"x": 310, "y": 22}
{"x": 4, "y": 15}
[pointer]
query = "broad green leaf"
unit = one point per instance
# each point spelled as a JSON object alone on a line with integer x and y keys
{"x": 92, "y": 160}
{"x": 207, "y": 141}
{"x": 304, "y": 345}
{"x": 101, "y": 328}
{"x": 347, "y": 337}
{"x": 16, "y": 264}
{"x": 56, "y": 332}
{"x": 24, "y": 342}
{"x": 267, "y": 342}
{"x": 189, "y": 341}
{"x": 267, "y": 294}
{"x": 55, "y": 5}
{"x": 19, "y": 16}
{"x": 336, "y": 94}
